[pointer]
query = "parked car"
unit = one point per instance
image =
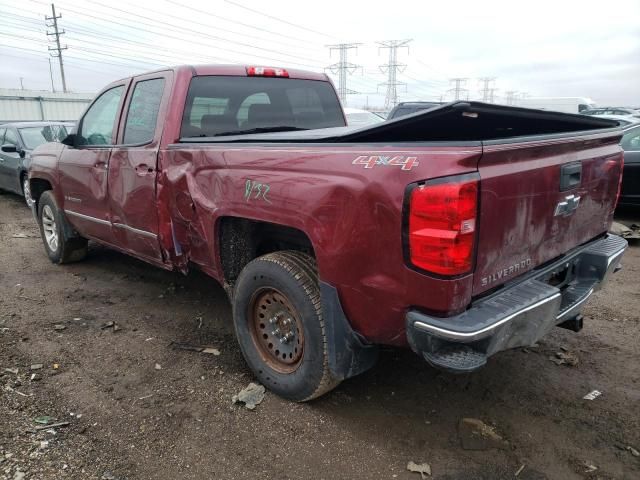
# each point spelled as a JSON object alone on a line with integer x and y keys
{"x": 630, "y": 192}
{"x": 622, "y": 120}
{"x": 17, "y": 141}
{"x": 459, "y": 232}
{"x": 557, "y": 104}
{"x": 618, "y": 111}
{"x": 407, "y": 108}
{"x": 360, "y": 118}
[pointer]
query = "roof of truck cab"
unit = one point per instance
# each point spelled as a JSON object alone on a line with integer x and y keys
{"x": 241, "y": 70}
{"x": 228, "y": 70}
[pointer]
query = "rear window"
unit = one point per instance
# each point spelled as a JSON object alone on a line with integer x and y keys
{"x": 219, "y": 105}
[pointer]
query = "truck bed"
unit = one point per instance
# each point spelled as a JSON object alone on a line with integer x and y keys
{"x": 457, "y": 122}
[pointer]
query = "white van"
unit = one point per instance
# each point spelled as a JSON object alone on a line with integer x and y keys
{"x": 557, "y": 104}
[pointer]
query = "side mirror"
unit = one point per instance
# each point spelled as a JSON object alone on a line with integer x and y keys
{"x": 69, "y": 140}
{"x": 9, "y": 148}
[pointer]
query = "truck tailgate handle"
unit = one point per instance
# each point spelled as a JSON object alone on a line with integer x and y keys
{"x": 570, "y": 175}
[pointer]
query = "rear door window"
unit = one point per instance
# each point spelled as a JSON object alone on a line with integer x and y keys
{"x": 219, "y": 105}
{"x": 142, "y": 115}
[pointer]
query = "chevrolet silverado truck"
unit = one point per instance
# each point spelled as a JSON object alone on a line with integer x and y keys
{"x": 459, "y": 232}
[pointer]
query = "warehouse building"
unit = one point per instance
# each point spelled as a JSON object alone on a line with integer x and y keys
{"x": 37, "y": 105}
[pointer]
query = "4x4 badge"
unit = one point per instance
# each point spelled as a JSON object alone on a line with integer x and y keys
{"x": 567, "y": 206}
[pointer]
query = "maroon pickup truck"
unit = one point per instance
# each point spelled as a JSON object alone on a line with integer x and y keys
{"x": 459, "y": 232}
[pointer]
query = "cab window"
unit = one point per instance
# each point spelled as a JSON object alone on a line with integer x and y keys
{"x": 97, "y": 127}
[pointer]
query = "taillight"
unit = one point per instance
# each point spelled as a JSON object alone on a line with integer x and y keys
{"x": 267, "y": 72}
{"x": 442, "y": 226}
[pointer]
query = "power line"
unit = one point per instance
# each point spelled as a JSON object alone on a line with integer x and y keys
{"x": 458, "y": 88}
{"x": 54, "y": 18}
{"x": 227, "y": 19}
{"x": 165, "y": 27}
{"x": 343, "y": 68}
{"x": 215, "y": 37}
{"x": 306, "y": 29}
{"x": 391, "y": 68}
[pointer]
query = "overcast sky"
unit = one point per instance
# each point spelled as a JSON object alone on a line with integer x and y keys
{"x": 542, "y": 48}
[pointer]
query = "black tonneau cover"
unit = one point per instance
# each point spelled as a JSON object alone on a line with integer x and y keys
{"x": 456, "y": 121}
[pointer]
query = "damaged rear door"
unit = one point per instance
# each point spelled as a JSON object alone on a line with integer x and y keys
{"x": 133, "y": 167}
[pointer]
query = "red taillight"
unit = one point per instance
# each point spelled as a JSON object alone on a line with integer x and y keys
{"x": 442, "y": 225}
{"x": 267, "y": 72}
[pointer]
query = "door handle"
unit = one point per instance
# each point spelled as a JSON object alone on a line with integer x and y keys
{"x": 100, "y": 165}
{"x": 143, "y": 168}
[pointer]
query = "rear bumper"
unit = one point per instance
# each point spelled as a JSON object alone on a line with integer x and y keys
{"x": 519, "y": 314}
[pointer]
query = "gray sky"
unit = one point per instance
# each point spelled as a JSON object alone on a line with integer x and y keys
{"x": 543, "y": 48}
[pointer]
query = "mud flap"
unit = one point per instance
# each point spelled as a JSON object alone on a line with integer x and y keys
{"x": 348, "y": 354}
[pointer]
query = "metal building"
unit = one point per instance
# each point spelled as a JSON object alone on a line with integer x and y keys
{"x": 25, "y": 105}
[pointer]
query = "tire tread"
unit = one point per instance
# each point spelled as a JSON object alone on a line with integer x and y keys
{"x": 303, "y": 268}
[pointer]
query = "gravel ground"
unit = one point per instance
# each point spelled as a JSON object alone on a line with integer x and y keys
{"x": 138, "y": 408}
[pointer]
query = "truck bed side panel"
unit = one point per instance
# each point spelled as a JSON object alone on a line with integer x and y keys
{"x": 351, "y": 214}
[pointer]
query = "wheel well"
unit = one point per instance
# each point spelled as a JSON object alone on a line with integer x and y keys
{"x": 23, "y": 174}
{"x": 241, "y": 240}
{"x": 38, "y": 187}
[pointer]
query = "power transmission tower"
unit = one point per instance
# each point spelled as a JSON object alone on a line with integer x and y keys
{"x": 492, "y": 95}
{"x": 343, "y": 68}
{"x": 391, "y": 68}
{"x": 54, "y": 19}
{"x": 458, "y": 88}
{"x": 512, "y": 95}
{"x": 486, "y": 87}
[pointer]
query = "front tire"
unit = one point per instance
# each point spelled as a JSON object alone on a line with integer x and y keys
{"x": 279, "y": 325}
{"x": 26, "y": 190}
{"x": 61, "y": 242}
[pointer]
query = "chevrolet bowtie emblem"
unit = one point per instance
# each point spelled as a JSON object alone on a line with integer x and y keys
{"x": 567, "y": 206}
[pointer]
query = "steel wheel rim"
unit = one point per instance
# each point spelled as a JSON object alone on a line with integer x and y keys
{"x": 49, "y": 228}
{"x": 26, "y": 190}
{"x": 276, "y": 330}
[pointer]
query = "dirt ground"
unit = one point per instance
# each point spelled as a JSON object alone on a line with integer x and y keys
{"x": 140, "y": 409}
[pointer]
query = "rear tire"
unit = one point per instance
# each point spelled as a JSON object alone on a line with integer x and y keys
{"x": 61, "y": 242}
{"x": 279, "y": 325}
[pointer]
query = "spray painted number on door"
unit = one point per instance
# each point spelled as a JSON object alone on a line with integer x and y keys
{"x": 256, "y": 191}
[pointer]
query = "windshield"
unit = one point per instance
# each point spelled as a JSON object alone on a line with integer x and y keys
{"x": 363, "y": 118}
{"x": 218, "y": 105}
{"x": 36, "y": 136}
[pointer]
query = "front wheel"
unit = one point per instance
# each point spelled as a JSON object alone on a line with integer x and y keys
{"x": 26, "y": 191}
{"x": 61, "y": 243}
{"x": 279, "y": 325}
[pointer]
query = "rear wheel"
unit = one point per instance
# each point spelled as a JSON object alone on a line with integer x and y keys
{"x": 279, "y": 325}
{"x": 61, "y": 242}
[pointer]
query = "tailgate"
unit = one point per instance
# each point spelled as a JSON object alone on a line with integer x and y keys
{"x": 541, "y": 198}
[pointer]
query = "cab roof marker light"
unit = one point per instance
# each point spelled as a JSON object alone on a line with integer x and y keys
{"x": 267, "y": 72}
